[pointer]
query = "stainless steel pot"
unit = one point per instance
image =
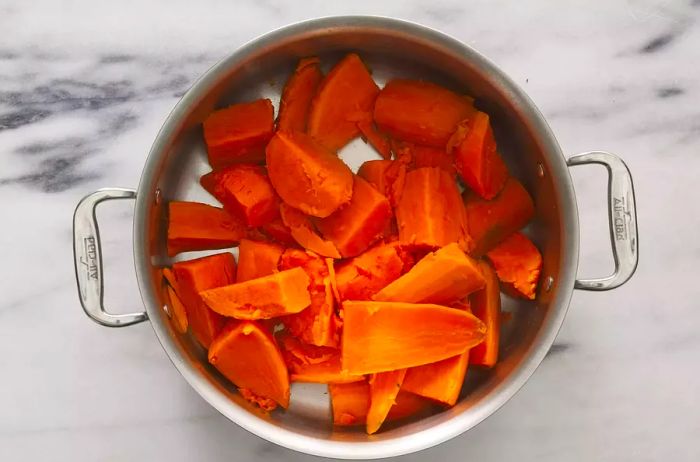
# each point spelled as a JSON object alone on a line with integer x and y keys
{"x": 391, "y": 48}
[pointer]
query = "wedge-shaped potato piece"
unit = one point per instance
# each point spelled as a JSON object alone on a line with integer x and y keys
{"x": 310, "y": 363}
{"x": 297, "y": 94}
{"x": 386, "y": 176}
{"x": 518, "y": 264}
{"x": 366, "y": 274}
{"x": 440, "y": 381}
{"x": 383, "y": 388}
{"x": 486, "y": 305}
{"x": 378, "y": 140}
{"x": 257, "y": 259}
{"x": 197, "y": 226}
{"x": 302, "y": 230}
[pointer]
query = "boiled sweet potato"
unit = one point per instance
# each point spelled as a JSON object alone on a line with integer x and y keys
{"x": 443, "y": 276}
{"x": 245, "y": 191}
{"x": 239, "y": 133}
{"x": 246, "y": 354}
{"x": 297, "y": 94}
{"x": 420, "y": 112}
{"x": 306, "y": 175}
{"x": 178, "y": 314}
{"x": 196, "y": 226}
{"x": 279, "y": 232}
{"x": 440, "y": 381}
{"x": 378, "y": 140}
{"x": 386, "y": 176}
{"x": 310, "y": 363}
{"x": 383, "y": 388}
{"x": 386, "y": 336}
{"x": 489, "y": 222}
{"x": 427, "y": 156}
{"x": 257, "y": 259}
{"x": 345, "y": 97}
{"x": 486, "y": 305}
{"x": 366, "y": 274}
{"x": 518, "y": 264}
{"x": 303, "y": 232}
{"x": 262, "y": 298}
{"x": 356, "y": 226}
{"x": 193, "y": 276}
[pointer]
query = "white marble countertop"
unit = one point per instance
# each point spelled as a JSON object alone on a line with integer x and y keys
{"x": 84, "y": 87}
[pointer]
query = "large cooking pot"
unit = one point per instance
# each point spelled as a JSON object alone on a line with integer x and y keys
{"x": 391, "y": 48}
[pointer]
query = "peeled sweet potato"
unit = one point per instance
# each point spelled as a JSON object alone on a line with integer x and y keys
{"x": 345, "y": 97}
{"x": 386, "y": 176}
{"x": 297, "y": 94}
{"x": 197, "y": 275}
{"x": 261, "y": 298}
{"x": 443, "y": 276}
{"x": 440, "y": 381}
{"x": 278, "y": 231}
{"x": 310, "y": 363}
{"x": 420, "y": 112}
{"x": 518, "y": 264}
{"x": 178, "y": 314}
{"x": 357, "y": 225}
{"x": 239, "y": 133}
{"x": 386, "y": 336}
{"x": 197, "y": 226}
{"x": 366, "y": 274}
{"x": 378, "y": 140}
{"x": 427, "y": 156}
{"x": 257, "y": 259}
{"x": 246, "y": 354}
{"x": 245, "y": 191}
{"x": 306, "y": 175}
{"x": 489, "y": 222}
{"x": 383, "y": 388}
{"x": 303, "y": 232}
{"x": 486, "y": 305}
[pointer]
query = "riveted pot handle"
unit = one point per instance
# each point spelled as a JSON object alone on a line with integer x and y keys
{"x": 622, "y": 214}
{"x": 87, "y": 255}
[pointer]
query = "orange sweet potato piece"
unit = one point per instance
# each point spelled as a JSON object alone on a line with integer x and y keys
{"x": 310, "y": 363}
{"x": 246, "y": 354}
{"x": 378, "y": 140}
{"x": 257, "y": 259}
{"x": 303, "y": 232}
{"x": 197, "y": 226}
{"x": 245, "y": 191}
{"x": 486, "y": 305}
{"x": 383, "y": 388}
{"x": 345, "y": 97}
{"x": 357, "y": 225}
{"x": 386, "y": 176}
{"x": 278, "y": 231}
{"x": 427, "y": 156}
{"x": 200, "y": 274}
{"x": 419, "y": 333}
{"x": 420, "y": 112}
{"x": 178, "y": 314}
{"x": 443, "y": 276}
{"x": 407, "y": 404}
{"x": 261, "y": 298}
{"x": 239, "y": 133}
{"x": 297, "y": 94}
{"x": 489, "y": 222}
{"x": 518, "y": 264}
{"x": 366, "y": 274}
{"x": 440, "y": 381}
{"x": 476, "y": 158}
{"x": 430, "y": 212}
{"x": 306, "y": 175}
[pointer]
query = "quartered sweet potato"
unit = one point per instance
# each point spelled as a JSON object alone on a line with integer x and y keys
{"x": 178, "y": 313}
{"x": 297, "y": 94}
{"x": 427, "y": 156}
{"x": 246, "y": 354}
{"x": 386, "y": 336}
{"x": 307, "y": 175}
{"x": 239, "y": 133}
{"x": 476, "y": 158}
{"x": 386, "y": 176}
{"x": 346, "y": 96}
{"x": 443, "y": 276}
{"x": 357, "y": 225}
{"x": 518, "y": 264}
{"x": 204, "y": 273}
{"x": 420, "y": 112}
{"x": 486, "y": 305}
{"x": 440, "y": 381}
{"x": 378, "y": 140}
{"x": 366, "y": 274}
{"x": 430, "y": 212}
{"x": 383, "y": 388}
{"x": 489, "y": 222}
{"x": 262, "y": 298}
{"x": 303, "y": 232}
{"x": 245, "y": 191}
{"x": 197, "y": 226}
{"x": 257, "y": 259}
{"x": 310, "y": 363}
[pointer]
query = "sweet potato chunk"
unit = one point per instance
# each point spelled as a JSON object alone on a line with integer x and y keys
{"x": 378, "y": 140}
{"x": 200, "y": 274}
{"x": 366, "y": 274}
{"x": 306, "y": 175}
{"x": 420, "y": 112}
{"x": 310, "y": 363}
{"x": 239, "y": 133}
{"x": 383, "y": 388}
{"x": 386, "y": 176}
{"x": 401, "y": 335}
{"x": 178, "y": 314}
{"x": 489, "y": 222}
{"x": 440, "y": 381}
{"x": 196, "y": 226}
{"x": 518, "y": 264}
{"x": 262, "y": 298}
{"x": 303, "y": 232}
{"x": 245, "y": 191}
{"x": 427, "y": 156}
{"x": 443, "y": 276}
{"x": 486, "y": 305}
{"x": 246, "y": 354}
{"x": 257, "y": 259}
{"x": 477, "y": 161}
{"x": 297, "y": 94}
{"x": 356, "y": 226}
{"x": 345, "y": 97}
{"x": 430, "y": 212}
{"x": 278, "y": 231}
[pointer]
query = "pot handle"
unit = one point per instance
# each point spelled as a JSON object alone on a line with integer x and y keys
{"x": 622, "y": 215}
{"x": 87, "y": 256}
